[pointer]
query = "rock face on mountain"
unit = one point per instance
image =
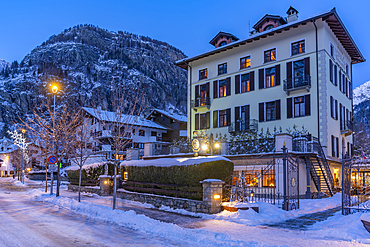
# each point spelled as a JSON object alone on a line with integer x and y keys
{"x": 90, "y": 63}
{"x": 361, "y": 115}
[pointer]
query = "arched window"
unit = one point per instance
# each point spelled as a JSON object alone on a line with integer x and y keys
{"x": 223, "y": 43}
{"x": 269, "y": 27}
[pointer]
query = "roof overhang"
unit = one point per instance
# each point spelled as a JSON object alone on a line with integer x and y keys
{"x": 330, "y": 17}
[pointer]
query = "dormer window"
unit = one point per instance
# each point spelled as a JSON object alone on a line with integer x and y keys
{"x": 269, "y": 27}
{"x": 223, "y": 43}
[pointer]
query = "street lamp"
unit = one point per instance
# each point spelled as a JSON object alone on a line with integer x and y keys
{"x": 22, "y": 172}
{"x": 54, "y": 89}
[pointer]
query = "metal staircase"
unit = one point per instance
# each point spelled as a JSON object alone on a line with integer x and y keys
{"x": 320, "y": 169}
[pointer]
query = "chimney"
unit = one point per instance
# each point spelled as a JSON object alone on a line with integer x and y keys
{"x": 292, "y": 14}
{"x": 170, "y": 110}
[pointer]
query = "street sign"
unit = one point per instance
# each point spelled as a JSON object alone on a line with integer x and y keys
{"x": 52, "y": 159}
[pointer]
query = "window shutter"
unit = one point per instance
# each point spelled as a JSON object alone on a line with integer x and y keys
{"x": 289, "y": 107}
{"x": 336, "y": 109}
{"x": 236, "y": 119}
{"x": 332, "y": 146}
{"x": 228, "y": 116}
{"x": 277, "y": 103}
{"x": 277, "y": 74}
{"x": 228, "y": 86}
{"x": 289, "y": 71}
{"x": 337, "y": 142}
{"x": 331, "y": 70}
{"x": 340, "y": 116}
{"x": 261, "y": 112}
{"x": 215, "y": 119}
{"x": 251, "y": 78}
{"x": 197, "y": 121}
{"x": 215, "y": 89}
{"x": 208, "y": 119}
{"x": 261, "y": 75}
{"x": 340, "y": 81}
{"x": 196, "y": 95}
{"x": 343, "y": 82}
{"x": 307, "y": 105}
{"x": 237, "y": 84}
{"x": 346, "y": 88}
{"x": 207, "y": 88}
{"x": 335, "y": 75}
{"x": 307, "y": 67}
{"x": 331, "y": 107}
{"x": 247, "y": 116}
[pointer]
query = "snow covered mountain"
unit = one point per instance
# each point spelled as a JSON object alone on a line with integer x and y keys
{"x": 4, "y": 64}
{"x": 361, "y": 93}
{"x": 90, "y": 63}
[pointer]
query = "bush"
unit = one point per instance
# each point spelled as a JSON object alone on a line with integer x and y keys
{"x": 89, "y": 175}
{"x": 186, "y": 177}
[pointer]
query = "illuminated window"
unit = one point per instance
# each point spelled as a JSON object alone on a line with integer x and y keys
{"x": 202, "y": 74}
{"x": 270, "y": 77}
{"x": 245, "y": 62}
{"x": 245, "y": 83}
{"x": 222, "y": 89}
{"x": 223, "y": 118}
{"x": 222, "y": 68}
{"x": 298, "y": 47}
{"x": 203, "y": 95}
{"x": 270, "y": 55}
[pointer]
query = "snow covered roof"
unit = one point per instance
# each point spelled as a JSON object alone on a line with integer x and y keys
{"x": 165, "y": 162}
{"x": 178, "y": 117}
{"x": 109, "y": 116}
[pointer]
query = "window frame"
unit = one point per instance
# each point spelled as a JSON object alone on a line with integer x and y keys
{"x": 268, "y": 50}
{"x": 224, "y": 69}
{"x": 141, "y": 132}
{"x": 274, "y": 78}
{"x": 206, "y": 76}
{"x": 219, "y": 88}
{"x": 294, "y": 42}
{"x": 250, "y": 61}
{"x": 332, "y": 48}
{"x": 248, "y": 85}
{"x": 268, "y": 120}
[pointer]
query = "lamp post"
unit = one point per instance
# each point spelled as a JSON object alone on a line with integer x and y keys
{"x": 55, "y": 91}
{"x": 22, "y": 172}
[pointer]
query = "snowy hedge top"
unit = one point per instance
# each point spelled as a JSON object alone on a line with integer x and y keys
{"x": 173, "y": 161}
{"x": 86, "y": 167}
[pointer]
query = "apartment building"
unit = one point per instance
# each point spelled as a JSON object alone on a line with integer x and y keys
{"x": 288, "y": 71}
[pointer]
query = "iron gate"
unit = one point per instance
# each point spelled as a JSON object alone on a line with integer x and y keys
{"x": 292, "y": 195}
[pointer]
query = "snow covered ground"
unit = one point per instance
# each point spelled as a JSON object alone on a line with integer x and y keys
{"x": 243, "y": 228}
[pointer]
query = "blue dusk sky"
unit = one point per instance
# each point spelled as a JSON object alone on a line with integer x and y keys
{"x": 188, "y": 25}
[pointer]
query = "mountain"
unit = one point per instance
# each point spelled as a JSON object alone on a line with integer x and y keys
{"x": 90, "y": 63}
{"x": 361, "y": 93}
{"x": 4, "y": 64}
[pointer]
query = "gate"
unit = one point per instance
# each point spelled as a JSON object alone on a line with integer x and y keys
{"x": 292, "y": 195}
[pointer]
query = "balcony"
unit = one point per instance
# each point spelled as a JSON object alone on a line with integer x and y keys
{"x": 346, "y": 128}
{"x": 297, "y": 83}
{"x": 201, "y": 103}
{"x": 240, "y": 127}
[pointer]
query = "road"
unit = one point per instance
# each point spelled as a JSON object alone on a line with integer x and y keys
{"x": 27, "y": 222}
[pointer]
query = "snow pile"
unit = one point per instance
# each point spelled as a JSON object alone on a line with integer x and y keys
{"x": 86, "y": 167}
{"x": 142, "y": 223}
{"x": 174, "y": 161}
{"x": 19, "y": 183}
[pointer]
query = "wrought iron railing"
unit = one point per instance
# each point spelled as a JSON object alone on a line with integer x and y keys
{"x": 201, "y": 102}
{"x": 297, "y": 82}
{"x": 238, "y": 127}
{"x": 346, "y": 125}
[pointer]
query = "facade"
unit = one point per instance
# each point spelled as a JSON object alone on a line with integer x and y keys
{"x": 176, "y": 124}
{"x": 134, "y": 129}
{"x": 287, "y": 72}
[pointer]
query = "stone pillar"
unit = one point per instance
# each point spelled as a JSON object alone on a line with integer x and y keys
{"x": 279, "y": 142}
{"x": 148, "y": 149}
{"x": 106, "y": 185}
{"x": 132, "y": 154}
{"x": 224, "y": 148}
{"x": 212, "y": 194}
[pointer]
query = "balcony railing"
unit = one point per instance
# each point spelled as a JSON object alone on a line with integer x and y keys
{"x": 239, "y": 127}
{"x": 201, "y": 102}
{"x": 296, "y": 83}
{"x": 346, "y": 127}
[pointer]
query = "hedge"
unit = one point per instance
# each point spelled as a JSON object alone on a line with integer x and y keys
{"x": 186, "y": 178}
{"x": 89, "y": 176}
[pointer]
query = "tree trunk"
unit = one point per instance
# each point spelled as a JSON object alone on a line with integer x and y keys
{"x": 114, "y": 185}
{"x": 79, "y": 185}
{"x": 46, "y": 179}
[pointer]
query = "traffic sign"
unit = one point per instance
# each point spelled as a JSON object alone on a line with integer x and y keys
{"x": 52, "y": 159}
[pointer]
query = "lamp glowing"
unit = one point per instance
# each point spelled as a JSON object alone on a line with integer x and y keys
{"x": 216, "y": 197}
{"x": 54, "y": 88}
{"x": 204, "y": 147}
{"x": 105, "y": 182}
{"x": 217, "y": 145}
{"x": 28, "y": 169}
{"x": 252, "y": 193}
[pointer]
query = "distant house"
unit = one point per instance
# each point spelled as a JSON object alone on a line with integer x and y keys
{"x": 176, "y": 124}
{"x": 135, "y": 130}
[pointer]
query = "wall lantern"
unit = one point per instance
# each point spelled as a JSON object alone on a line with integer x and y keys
{"x": 216, "y": 196}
